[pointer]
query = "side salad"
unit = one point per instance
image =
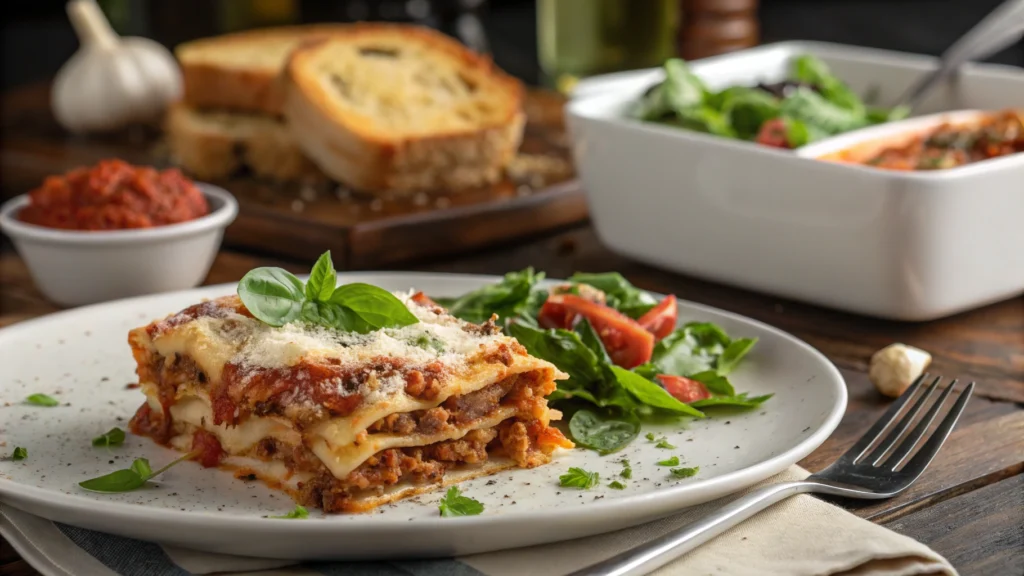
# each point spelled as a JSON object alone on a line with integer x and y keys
{"x": 627, "y": 360}
{"x": 809, "y": 105}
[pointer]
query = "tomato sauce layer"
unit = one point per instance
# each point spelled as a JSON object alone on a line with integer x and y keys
{"x": 114, "y": 195}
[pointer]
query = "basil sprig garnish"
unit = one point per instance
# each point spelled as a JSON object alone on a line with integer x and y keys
{"x": 276, "y": 297}
{"x": 131, "y": 478}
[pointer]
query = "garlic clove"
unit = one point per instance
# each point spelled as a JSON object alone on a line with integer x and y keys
{"x": 894, "y": 368}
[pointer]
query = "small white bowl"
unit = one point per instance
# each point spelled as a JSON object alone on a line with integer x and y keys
{"x": 73, "y": 268}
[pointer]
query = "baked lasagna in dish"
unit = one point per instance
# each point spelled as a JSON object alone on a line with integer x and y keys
{"x": 340, "y": 420}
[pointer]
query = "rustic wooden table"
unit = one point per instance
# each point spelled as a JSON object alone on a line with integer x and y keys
{"x": 968, "y": 506}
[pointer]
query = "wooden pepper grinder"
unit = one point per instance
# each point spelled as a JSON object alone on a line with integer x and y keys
{"x": 716, "y": 26}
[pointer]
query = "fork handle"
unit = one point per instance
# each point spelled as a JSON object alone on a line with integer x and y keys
{"x": 662, "y": 550}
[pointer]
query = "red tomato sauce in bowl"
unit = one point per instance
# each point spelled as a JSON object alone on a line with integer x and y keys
{"x": 114, "y": 195}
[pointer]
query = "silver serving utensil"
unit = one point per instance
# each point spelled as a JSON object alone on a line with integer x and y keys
{"x": 876, "y": 467}
{"x": 999, "y": 30}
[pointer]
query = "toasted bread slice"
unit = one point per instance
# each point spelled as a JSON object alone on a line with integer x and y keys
{"x": 213, "y": 145}
{"x": 239, "y": 71}
{"x": 402, "y": 108}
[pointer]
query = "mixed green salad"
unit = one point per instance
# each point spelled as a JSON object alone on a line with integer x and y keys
{"x": 809, "y": 105}
{"x": 627, "y": 359}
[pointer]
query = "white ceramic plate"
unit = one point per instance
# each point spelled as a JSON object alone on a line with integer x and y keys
{"x": 82, "y": 357}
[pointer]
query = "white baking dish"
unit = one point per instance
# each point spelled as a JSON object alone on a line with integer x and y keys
{"x": 899, "y": 245}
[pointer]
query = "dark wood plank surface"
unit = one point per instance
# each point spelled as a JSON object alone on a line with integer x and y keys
{"x": 970, "y": 485}
{"x": 302, "y": 219}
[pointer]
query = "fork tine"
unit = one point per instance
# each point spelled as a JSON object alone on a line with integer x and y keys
{"x": 858, "y": 449}
{"x": 907, "y": 444}
{"x": 924, "y": 457}
{"x": 904, "y": 422}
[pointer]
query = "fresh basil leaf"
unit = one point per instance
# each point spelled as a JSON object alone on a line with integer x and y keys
{"x": 651, "y": 394}
{"x": 715, "y": 383}
{"x": 114, "y": 437}
{"x": 684, "y": 472}
{"x": 297, "y": 513}
{"x": 620, "y": 294}
{"x": 579, "y": 478}
{"x": 42, "y": 400}
{"x": 141, "y": 467}
{"x": 455, "y": 504}
{"x": 117, "y": 481}
{"x": 732, "y": 355}
{"x": 322, "y": 279}
{"x": 603, "y": 434}
{"x": 682, "y": 89}
{"x": 374, "y": 307}
{"x": 272, "y": 295}
{"x": 673, "y": 461}
{"x": 562, "y": 348}
{"x": 737, "y": 401}
{"x": 19, "y": 454}
{"x": 508, "y": 298}
{"x": 813, "y": 109}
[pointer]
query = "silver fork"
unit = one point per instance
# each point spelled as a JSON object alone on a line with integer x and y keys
{"x": 871, "y": 469}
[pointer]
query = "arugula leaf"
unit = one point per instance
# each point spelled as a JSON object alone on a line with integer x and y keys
{"x": 651, "y": 394}
{"x": 682, "y": 89}
{"x": 374, "y": 307}
{"x": 563, "y": 348}
{"x": 812, "y": 108}
{"x": 19, "y": 453}
{"x": 738, "y": 401}
{"x": 579, "y": 478}
{"x": 506, "y": 298}
{"x": 455, "y": 504}
{"x": 617, "y": 485}
{"x": 673, "y": 461}
{"x": 42, "y": 400}
{"x": 114, "y": 437}
{"x": 684, "y": 472}
{"x": 732, "y": 355}
{"x": 605, "y": 435}
{"x": 322, "y": 279}
{"x": 272, "y": 295}
{"x": 297, "y": 513}
{"x": 620, "y": 294}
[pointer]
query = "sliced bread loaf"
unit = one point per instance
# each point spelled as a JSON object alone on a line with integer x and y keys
{"x": 212, "y": 145}
{"x": 402, "y": 108}
{"x": 239, "y": 71}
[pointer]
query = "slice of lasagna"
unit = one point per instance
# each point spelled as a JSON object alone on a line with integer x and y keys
{"x": 340, "y": 420}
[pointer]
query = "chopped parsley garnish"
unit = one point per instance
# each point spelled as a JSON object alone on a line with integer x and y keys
{"x": 19, "y": 454}
{"x": 455, "y": 504}
{"x": 130, "y": 478}
{"x": 650, "y": 436}
{"x": 673, "y": 461}
{"x": 299, "y": 513}
{"x": 617, "y": 485}
{"x": 684, "y": 472}
{"x": 42, "y": 400}
{"x": 627, "y": 470}
{"x": 663, "y": 443}
{"x": 579, "y": 478}
{"x": 114, "y": 437}
{"x": 428, "y": 342}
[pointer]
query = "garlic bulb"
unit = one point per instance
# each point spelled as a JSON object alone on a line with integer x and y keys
{"x": 894, "y": 368}
{"x": 111, "y": 81}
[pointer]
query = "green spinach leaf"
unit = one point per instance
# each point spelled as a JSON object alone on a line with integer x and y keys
{"x": 600, "y": 433}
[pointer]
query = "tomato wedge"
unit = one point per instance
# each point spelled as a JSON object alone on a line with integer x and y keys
{"x": 774, "y": 133}
{"x": 627, "y": 343}
{"x": 661, "y": 320}
{"x": 683, "y": 389}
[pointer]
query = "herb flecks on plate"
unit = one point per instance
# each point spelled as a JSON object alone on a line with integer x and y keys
{"x": 627, "y": 362}
{"x": 684, "y": 472}
{"x": 130, "y": 478}
{"x": 455, "y": 504}
{"x": 113, "y": 437}
{"x": 579, "y": 478}
{"x": 297, "y": 513}
{"x": 276, "y": 297}
{"x": 42, "y": 400}
{"x": 19, "y": 453}
{"x": 673, "y": 461}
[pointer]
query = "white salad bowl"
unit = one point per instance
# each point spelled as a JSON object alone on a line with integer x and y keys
{"x": 73, "y": 268}
{"x": 898, "y": 245}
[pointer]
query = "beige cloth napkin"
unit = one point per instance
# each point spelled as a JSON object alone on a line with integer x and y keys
{"x": 796, "y": 537}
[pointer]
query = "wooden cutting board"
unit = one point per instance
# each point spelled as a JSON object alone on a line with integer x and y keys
{"x": 301, "y": 220}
